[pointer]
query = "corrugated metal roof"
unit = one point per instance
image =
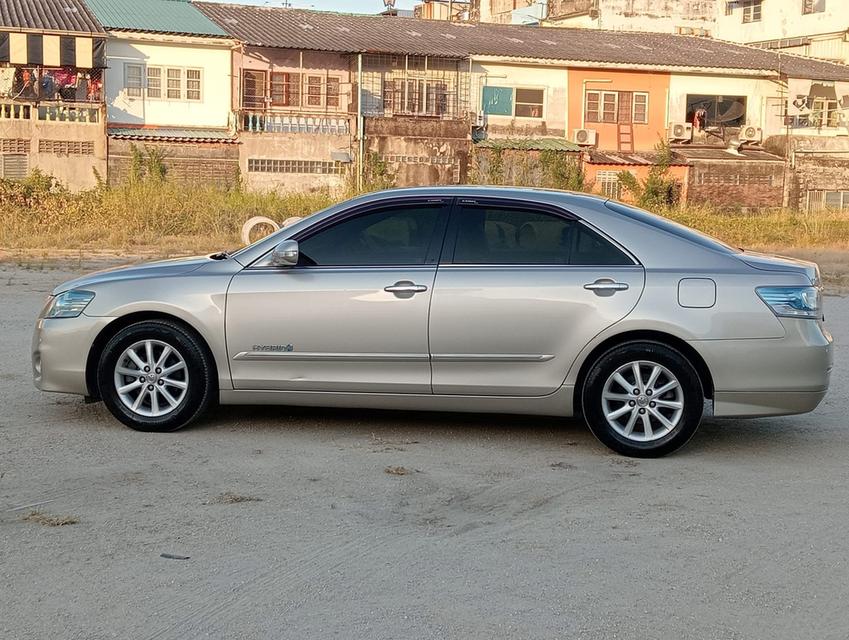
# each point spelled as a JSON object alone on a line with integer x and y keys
{"x": 347, "y": 33}
{"x": 158, "y": 16}
{"x": 630, "y": 159}
{"x": 48, "y": 15}
{"x": 528, "y": 144}
{"x": 713, "y": 153}
{"x": 172, "y": 134}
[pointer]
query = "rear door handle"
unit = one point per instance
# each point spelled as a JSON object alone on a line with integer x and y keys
{"x": 606, "y": 286}
{"x": 405, "y": 288}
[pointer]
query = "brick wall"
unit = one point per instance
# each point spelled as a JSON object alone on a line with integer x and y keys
{"x": 194, "y": 163}
{"x": 817, "y": 173}
{"x": 744, "y": 184}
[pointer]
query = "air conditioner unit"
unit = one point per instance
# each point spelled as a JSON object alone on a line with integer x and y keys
{"x": 585, "y": 137}
{"x": 751, "y": 134}
{"x": 680, "y": 131}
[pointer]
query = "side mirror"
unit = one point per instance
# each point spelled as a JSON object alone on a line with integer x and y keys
{"x": 285, "y": 254}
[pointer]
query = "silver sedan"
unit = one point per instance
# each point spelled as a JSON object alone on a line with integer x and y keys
{"x": 455, "y": 299}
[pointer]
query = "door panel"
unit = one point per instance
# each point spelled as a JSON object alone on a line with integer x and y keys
{"x": 352, "y": 315}
{"x": 517, "y": 330}
{"x": 520, "y": 292}
{"x": 320, "y": 329}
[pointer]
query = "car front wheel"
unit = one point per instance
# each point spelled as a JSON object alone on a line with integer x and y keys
{"x": 643, "y": 399}
{"x": 155, "y": 376}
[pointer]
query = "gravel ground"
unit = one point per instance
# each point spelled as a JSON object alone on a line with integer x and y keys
{"x": 317, "y": 524}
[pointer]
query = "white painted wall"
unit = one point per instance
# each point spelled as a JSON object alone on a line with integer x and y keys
{"x": 550, "y": 78}
{"x": 214, "y": 59}
{"x": 782, "y": 19}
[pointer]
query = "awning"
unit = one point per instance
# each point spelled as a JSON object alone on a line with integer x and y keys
{"x": 171, "y": 134}
{"x": 44, "y": 50}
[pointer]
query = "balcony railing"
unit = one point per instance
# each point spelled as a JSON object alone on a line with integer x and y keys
{"x": 262, "y": 122}
{"x": 82, "y": 113}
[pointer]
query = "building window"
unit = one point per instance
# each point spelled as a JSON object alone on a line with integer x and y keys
{"x": 154, "y": 82}
{"x": 333, "y": 92}
{"x": 813, "y": 6}
{"x": 616, "y": 107}
{"x": 514, "y": 102}
{"x": 824, "y": 113}
{"x": 175, "y": 84}
{"x": 609, "y": 184}
{"x": 134, "y": 80}
{"x": 14, "y": 166}
{"x": 314, "y": 91}
{"x": 729, "y": 7}
{"x": 640, "y": 111}
{"x": 193, "y": 84}
{"x": 821, "y": 200}
{"x": 322, "y": 167}
{"x": 716, "y": 111}
{"x": 752, "y": 10}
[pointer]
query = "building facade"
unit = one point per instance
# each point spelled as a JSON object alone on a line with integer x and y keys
{"x": 168, "y": 90}
{"x": 52, "y": 114}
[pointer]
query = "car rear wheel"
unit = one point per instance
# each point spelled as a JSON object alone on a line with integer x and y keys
{"x": 155, "y": 376}
{"x": 643, "y": 399}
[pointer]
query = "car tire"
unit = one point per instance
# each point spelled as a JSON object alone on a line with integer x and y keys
{"x": 156, "y": 375}
{"x": 649, "y": 417}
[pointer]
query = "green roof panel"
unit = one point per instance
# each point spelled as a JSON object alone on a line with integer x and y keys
{"x": 158, "y": 16}
{"x": 528, "y": 144}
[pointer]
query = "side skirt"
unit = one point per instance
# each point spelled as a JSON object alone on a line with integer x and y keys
{"x": 558, "y": 403}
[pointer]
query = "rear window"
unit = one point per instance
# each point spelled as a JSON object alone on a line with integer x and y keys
{"x": 676, "y": 229}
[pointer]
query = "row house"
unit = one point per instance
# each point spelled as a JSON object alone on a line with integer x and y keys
{"x": 52, "y": 115}
{"x": 168, "y": 90}
{"x": 328, "y": 99}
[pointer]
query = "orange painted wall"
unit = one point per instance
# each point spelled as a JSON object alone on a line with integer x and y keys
{"x": 646, "y": 136}
{"x": 679, "y": 172}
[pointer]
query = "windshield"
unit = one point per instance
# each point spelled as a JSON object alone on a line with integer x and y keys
{"x": 675, "y": 228}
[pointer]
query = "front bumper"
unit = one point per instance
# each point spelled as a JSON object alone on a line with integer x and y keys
{"x": 770, "y": 377}
{"x": 60, "y": 348}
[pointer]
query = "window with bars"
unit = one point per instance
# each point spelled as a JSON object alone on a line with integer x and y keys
{"x": 323, "y": 167}
{"x": 134, "y": 80}
{"x": 609, "y": 184}
{"x": 752, "y": 10}
{"x": 193, "y": 85}
{"x": 616, "y": 107}
{"x": 821, "y": 200}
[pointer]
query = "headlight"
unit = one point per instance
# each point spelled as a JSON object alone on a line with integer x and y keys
{"x": 69, "y": 304}
{"x": 792, "y": 302}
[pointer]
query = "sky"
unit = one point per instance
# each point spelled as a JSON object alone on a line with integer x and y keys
{"x": 351, "y": 6}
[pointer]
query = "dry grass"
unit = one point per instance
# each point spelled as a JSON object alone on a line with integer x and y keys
{"x": 151, "y": 219}
{"x": 397, "y": 471}
{"x": 228, "y": 497}
{"x": 47, "y": 520}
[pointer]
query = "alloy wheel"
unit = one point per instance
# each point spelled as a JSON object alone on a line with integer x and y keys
{"x": 151, "y": 378}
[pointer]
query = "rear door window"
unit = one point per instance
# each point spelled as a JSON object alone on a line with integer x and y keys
{"x": 505, "y": 235}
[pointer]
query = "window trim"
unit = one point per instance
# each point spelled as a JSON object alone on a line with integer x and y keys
{"x": 450, "y": 242}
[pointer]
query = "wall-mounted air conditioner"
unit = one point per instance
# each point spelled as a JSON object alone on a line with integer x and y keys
{"x": 751, "y": 134}
{"x": 680, "y": 132}
{"x": 585, "y": 137}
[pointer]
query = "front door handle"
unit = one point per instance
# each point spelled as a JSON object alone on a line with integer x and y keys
{"x": 606, "y": 286}
{"x": 405, "y": 289}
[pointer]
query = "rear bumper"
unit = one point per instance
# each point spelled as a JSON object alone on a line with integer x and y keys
{"x": 770, "y": 377}
{"x": 60, "y": 349}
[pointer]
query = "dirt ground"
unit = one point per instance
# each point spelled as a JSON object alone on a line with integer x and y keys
{"x": 373, "y": 525}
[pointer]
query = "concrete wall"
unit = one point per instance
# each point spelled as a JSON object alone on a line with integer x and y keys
{"x": 421, "y": 151}
{"x": 667, "y": 16}
{"x": 552, "y": 79}
{"x": 645, "y": 136}
{"x": 210, "y": 55}
{"x": 727, "y": 184}
{"x": 500, "y": 11}
{"x": 69, "y": 151}
{"x": 193, "y": 163}
{"x": 785, "y": 19}
{"x": 291, "y": 146}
